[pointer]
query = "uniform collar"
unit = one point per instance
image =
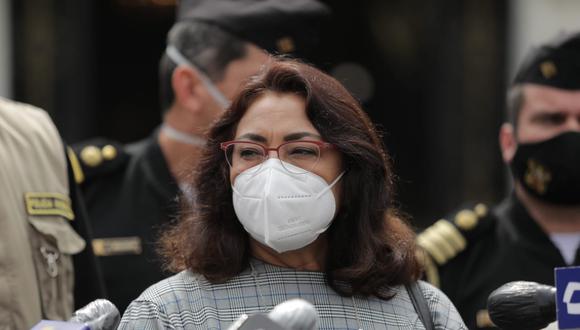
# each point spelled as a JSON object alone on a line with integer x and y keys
{"x": 525, "y": 230}
{"x": 156, "y": 169}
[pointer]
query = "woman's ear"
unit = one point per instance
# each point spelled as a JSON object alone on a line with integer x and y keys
{"x": 185, "y": 84}
{"x": 507, "y": 142}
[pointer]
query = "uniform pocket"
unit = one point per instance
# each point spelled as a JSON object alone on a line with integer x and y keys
{"x": 54, "y": 241}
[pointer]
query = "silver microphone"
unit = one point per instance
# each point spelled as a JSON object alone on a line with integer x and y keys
{"x": 293, "y": 314}
{"x": 99, "y": 314}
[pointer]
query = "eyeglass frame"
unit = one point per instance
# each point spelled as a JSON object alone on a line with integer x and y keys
{"x": 321, "y": 144}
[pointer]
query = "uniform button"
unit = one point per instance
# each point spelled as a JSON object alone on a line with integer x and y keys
{"x": 466, "y": 219}
{"x": 91, "y": 156}
{"x": 285, "y": 45}
{"x": 481, "y": 210}
{"x": 109, "y": 152}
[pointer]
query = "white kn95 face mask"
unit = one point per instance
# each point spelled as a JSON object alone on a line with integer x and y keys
{"x": 283, "y": 210}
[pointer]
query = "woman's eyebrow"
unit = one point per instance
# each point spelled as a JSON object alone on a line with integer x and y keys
{"x": 300, "y": 135}
{"x": 253, "y": 137}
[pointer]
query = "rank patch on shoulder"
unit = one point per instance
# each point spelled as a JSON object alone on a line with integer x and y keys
{"x": 112, "y": 246}
{"x": 44, "y": 204}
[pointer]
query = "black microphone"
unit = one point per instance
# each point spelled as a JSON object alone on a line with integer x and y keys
{"x": 293, "y": 314}
{"x": 99, "y": 314}
{"x": 522, "y": 305}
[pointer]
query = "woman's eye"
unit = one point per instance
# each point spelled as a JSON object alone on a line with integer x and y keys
{"x": 303, "y": 151}
{"x": 250, "y": 153}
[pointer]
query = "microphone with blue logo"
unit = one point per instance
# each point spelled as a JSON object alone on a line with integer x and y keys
{"x": 534, "y": 306}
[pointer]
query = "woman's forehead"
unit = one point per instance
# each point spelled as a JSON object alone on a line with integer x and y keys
{"x": 276, "y": 114}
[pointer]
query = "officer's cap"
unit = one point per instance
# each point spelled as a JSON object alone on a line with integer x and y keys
{"x": 555, "y": 64}
{"x": 278, "y": 26}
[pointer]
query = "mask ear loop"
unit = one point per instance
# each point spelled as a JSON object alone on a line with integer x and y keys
{"x": 179, "y": 59}
{"x": 330, "y": 185}
{"x": 173, "y": 133}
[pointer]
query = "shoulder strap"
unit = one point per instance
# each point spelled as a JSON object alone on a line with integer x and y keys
{"x": 420, "y": 304}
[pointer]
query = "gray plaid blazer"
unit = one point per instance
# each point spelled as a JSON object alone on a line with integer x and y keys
{"x": 189, "y": 301}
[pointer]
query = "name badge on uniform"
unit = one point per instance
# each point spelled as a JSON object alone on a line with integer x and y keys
{"x": 113, "y": 246}
{"x": 44, "y": 204}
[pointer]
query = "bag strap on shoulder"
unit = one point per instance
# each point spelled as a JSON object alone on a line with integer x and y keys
{"x": 420, "y": 304}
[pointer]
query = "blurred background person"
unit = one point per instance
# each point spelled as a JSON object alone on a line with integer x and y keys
{"x": 131, "y": 190}
{"x": 537, "y": 227}
{"x": 46, "y": 267}
{"x": 295, "y": 201}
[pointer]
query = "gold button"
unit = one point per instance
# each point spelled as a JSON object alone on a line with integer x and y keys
{"x": 481, "y": 210}
{"x": 483, "y": 320}
{"x": 91, "y": 156}
{"x": 98, "y": 247}
{"x": 285, "y": 45}
{"x": 109, "y": 152}
{"x": 466, "y": 219}
{"x": 548, "y": 69}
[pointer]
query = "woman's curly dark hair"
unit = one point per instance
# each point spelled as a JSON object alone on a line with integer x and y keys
{"x": 370, "y": 247}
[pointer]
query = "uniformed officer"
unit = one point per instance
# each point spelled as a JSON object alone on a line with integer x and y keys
{"x": 131, "y": 190}
{"x": 536, "y": 227}
{"x": 41, "y": 218}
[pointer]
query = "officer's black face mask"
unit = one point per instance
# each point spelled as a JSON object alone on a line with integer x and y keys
{"x": 550, "y": 169}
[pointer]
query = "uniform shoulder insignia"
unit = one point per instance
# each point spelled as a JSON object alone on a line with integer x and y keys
{"x": 96, "y": 157}
{"x": 449, "y": 236}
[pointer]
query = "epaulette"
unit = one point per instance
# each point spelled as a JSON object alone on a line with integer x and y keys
{"x": 449, "y": 236}
{"x": 96, "y": 157}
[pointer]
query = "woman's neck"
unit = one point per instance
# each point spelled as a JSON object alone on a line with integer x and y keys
{"x": 311, "y": 257}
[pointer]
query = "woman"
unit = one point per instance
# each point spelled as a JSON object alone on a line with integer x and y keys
{"x": 294, "y": 200}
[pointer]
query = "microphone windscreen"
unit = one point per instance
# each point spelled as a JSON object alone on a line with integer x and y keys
{"x": 99, "y": 314}
{"x": 522, "y": 305}
{"x": 295, "y": 314}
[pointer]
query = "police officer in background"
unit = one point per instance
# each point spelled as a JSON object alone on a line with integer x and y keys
{"x": 537, "y": 227}
{"x": 131, "y": 190}
{"x": 46, "y": 267}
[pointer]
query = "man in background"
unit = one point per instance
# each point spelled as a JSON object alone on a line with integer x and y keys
{"x": 131, "y": 190}
{"x": 537, "y": 227}
{"x": 46, "y": 268}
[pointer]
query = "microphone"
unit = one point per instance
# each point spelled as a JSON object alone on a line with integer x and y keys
{"x": 522, "y": 305}
{"x": 293, "y": 314}
{"x": 99, "y": 314}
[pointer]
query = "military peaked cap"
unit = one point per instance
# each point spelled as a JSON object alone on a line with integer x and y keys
{"x": 278, "y": 26}
{"x": 555, "y": 64}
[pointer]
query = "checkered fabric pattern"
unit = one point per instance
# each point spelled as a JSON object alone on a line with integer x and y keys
{"x": 189, "y": 301}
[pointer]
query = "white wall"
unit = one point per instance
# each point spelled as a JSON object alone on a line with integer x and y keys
{"x": 5, "y": 49}
{"x": 532, "y": 22}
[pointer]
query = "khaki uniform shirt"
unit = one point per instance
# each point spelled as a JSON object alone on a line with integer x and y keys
{"x": 36, "y": 237}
